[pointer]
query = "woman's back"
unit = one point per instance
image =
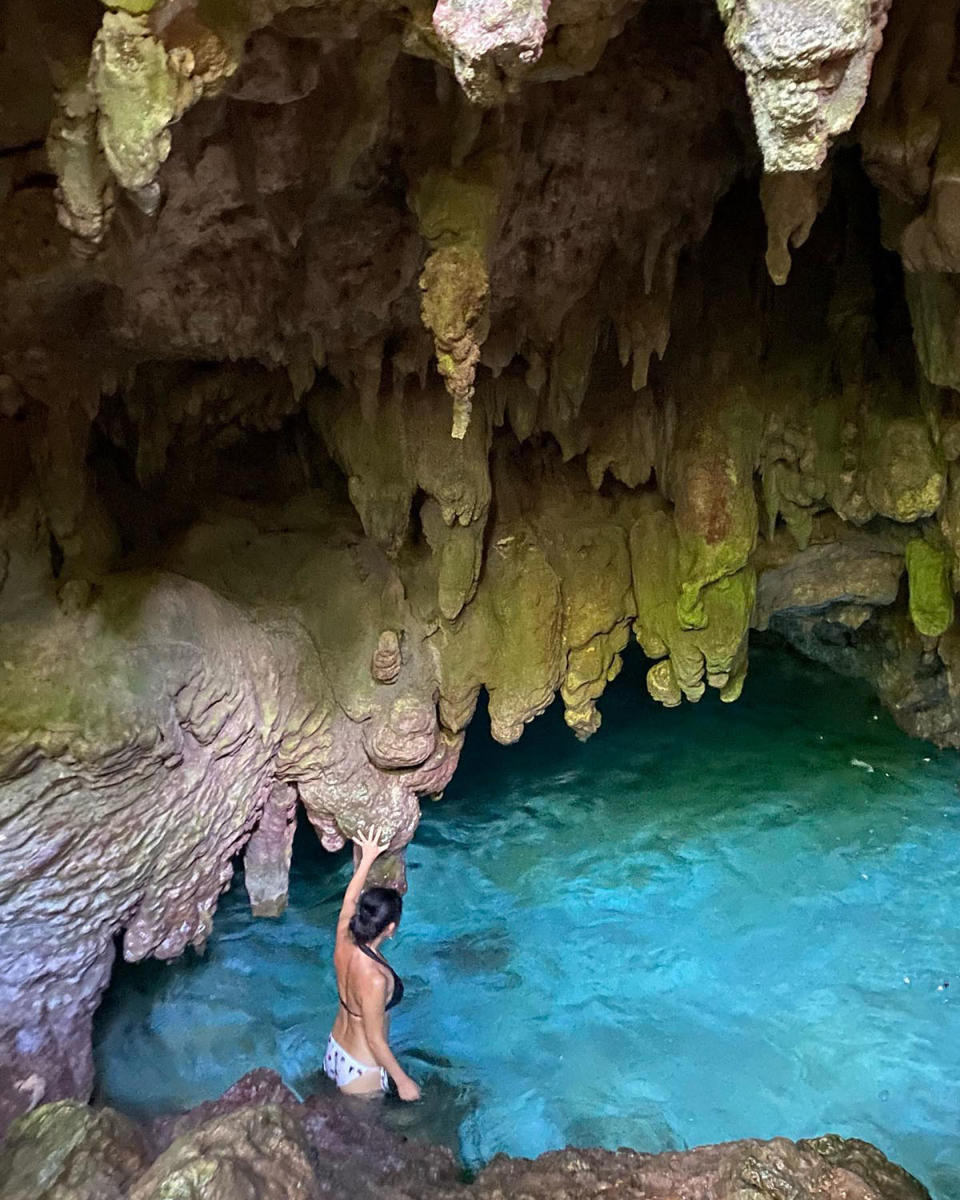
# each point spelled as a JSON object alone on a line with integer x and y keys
{"x": 354, "y": 977}
{"x": 358, "y": 1055}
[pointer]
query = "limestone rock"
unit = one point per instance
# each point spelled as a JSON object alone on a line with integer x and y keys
{"x": 777, "y": 1168}
{"x": 256, "y": 1089}
{"x": 509, "y": 639}
{"x": 69, "y": 1151}
{"x": 138, "y": 96}
{"x": 244, "y": 565}
{"x": 862, "y": 572}
{"x": 931, "y": 590}
{"x": 791, "y": 202}
{"x": 714, "y": 652}
{"x": 85, "y": 185}
{"x": 807, "y": 66}
{"x": 266, "y": 859}
{"x": 387, "y": 659}
{"x": 866, "y": 1161}
{"x": 903, "y": 117}
{"x": 457, "y": 212}
{"x": 491, "y": 38}
{"x": 935, "y": 308}
{"x": 256, "y": 1153}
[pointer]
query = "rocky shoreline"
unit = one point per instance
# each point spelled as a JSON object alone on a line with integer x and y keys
{"x": 260, "y": 1142}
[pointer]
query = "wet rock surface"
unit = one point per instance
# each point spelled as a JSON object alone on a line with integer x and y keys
{"x": 258, "y": 1142}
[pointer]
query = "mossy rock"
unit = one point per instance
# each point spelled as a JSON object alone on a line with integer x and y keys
{"x": 70, "y": 1150}
{"x": 931, "y": 595}
{"x": 131, "y": 6}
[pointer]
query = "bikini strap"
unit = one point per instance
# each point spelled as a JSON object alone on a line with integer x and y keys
{"x": 382, "y": 961}
{"x": 349, "y": 1010}
{"x": 374, "y": 955}
{"x": 377, "y": 959}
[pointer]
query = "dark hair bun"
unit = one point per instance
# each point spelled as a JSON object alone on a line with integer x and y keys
{"x": 377, "y": 908}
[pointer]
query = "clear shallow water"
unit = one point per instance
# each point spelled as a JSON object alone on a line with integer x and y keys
{"x": 707, "y": 923}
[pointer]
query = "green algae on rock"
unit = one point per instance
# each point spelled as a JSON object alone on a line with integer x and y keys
{"x": 931, "y": 591}
{"x": 71, "y": 1151}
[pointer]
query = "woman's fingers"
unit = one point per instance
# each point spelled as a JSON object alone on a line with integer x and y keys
{"x": 379, "y": 839}
{"x": 372, "y": 837}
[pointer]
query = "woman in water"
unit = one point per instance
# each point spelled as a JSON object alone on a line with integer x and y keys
{"x": 358, "y": 1058}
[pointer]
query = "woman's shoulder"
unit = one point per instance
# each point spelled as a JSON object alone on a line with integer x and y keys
{"x": 369, "y": 967}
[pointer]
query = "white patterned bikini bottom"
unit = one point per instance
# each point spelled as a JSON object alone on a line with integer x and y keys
{"x": 344, "y": 1068}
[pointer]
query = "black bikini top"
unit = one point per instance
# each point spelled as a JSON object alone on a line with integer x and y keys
{"x": 397, "y": 981}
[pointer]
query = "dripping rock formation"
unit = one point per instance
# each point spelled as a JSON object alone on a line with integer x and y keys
{"x": 357, "y": 358}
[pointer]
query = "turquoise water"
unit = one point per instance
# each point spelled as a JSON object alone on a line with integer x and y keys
{"x": 707, "y": 923}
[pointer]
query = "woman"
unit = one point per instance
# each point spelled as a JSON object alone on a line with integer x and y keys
{"x": 358, "y": 1058}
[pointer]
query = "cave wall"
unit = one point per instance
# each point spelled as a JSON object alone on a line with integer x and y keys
{"x": 360, "y": 357}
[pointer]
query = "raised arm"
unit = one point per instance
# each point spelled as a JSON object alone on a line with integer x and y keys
{"x": 372, "y": 844}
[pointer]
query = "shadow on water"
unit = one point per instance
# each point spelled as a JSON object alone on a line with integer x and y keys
{"x": 705, "y": 923}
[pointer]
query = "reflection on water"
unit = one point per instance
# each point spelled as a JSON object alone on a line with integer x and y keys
{"x": 709, "y": 923}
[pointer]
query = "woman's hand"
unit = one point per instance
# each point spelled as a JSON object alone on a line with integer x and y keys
{"x": 407, "y": 1089}
{"x": 372, "y": 843}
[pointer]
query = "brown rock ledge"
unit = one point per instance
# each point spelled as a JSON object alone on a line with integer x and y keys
{"x": 259, "y": 1142}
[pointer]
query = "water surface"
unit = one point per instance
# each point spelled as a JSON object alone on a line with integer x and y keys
{"x": 708, "y": 923}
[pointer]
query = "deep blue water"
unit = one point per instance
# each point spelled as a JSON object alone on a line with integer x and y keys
{"x": 706, "y": 923}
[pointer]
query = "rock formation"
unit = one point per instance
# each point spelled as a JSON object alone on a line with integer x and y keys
{"x": 258, "y": 1142}
{"x": 360, "y": 357}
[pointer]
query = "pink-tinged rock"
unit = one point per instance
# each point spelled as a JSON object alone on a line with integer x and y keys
{"x": 131, "y": 780}
{"x": 807, "y": 66}
{"x": 403, "y": 735}
{"x": 433, "y": 775}
{"x": 387, "y": 658}
{"x": 266, "y": 860}
{"x": 130, "y": 819}
{"x": 260, "y": 1086}
{"x": 490, "y": 39}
